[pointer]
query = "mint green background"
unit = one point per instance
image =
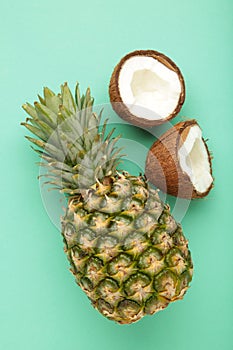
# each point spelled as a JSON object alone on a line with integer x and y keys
{"x": 49, "y": 42}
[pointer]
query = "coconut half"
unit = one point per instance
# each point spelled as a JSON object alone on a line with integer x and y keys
{"x": 147, "y": 88}
{"x": 179, "y": 163}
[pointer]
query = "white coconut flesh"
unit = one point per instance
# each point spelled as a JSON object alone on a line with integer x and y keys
{"x": 149, "y": 88}
{"x": 194, "y": 160}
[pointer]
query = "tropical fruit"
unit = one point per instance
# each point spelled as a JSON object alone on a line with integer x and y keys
{"x": 125, "y": 249}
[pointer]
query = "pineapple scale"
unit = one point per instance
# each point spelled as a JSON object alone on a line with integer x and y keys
{"x": 131, "y": 257}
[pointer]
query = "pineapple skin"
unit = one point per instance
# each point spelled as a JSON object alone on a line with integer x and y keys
{"x": 125, "y": 249}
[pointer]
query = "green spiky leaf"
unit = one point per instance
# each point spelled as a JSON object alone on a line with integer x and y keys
{"x": 72, "y": 145}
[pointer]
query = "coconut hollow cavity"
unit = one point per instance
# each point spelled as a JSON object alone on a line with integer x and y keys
{"x": 179, "y": 163}
{"x": 147, "y": 88}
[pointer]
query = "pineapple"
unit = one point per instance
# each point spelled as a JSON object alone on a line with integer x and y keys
{"x": 125, "y": 249}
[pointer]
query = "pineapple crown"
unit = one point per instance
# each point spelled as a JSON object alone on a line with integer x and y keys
{"x": 72, "y": 145}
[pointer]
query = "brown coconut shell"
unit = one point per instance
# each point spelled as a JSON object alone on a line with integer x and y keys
{"x": 162, "y": 164}
{"x": 114, "y": 92}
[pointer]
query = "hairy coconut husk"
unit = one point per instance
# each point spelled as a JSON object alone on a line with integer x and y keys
{"x": 114, "y": 92}
{"x": 163, "y": 167}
